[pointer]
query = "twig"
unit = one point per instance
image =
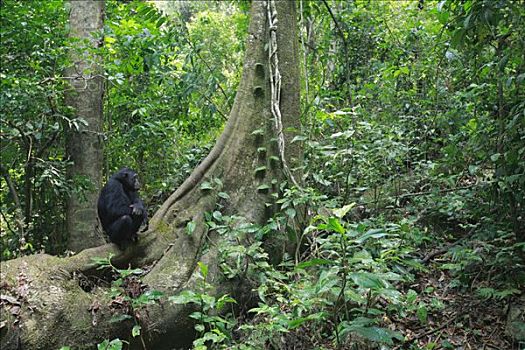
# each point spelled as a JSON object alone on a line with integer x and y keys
{"x": 446, "y": 190}
{"x": 7, "y": 222}
{"x": 224, "y": 116}
{"x": 336, "y": 22}
{"x": 345, "y": 48}
{"x": 445, "y": 249}
{"x": 437, "y": 252}
{"x": 210, "y": 69}
{"x": 429, "y": 332}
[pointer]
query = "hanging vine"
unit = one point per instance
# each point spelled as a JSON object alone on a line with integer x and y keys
{"x": 275, "y": 87}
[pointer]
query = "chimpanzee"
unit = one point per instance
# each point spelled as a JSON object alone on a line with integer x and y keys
{"x": 120, "y": 209}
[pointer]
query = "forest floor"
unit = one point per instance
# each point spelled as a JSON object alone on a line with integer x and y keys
{"x": 460, "y": 320}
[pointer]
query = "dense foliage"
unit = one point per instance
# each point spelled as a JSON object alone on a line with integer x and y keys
{"x": 167, "y": 93}
{"x": 33, "y": 122}
{"x": 414, "y": 126}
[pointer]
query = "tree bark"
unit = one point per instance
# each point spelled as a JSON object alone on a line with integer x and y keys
{"x": 54, "y": 311}
{"x": 84, "y": 146}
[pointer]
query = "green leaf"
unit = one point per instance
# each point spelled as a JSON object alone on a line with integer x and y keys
{"x": 378, "y": 334}
{"x": 135, "y": 331}
{"x": 190, "y": 227}
{"x": 367, "y": 280}
{"x": 374, "y": 233}
{"x": 495, "y": 157}
{"x": 335, "y": 225}
{"x": 503, "y": 62}
{"x": 217, "y": 215}
{"x": 204, "y": 269}
{"x": 218, "y": 182}
{"x": 185, "y": 297}
{"x": 119, "y": 318}
{"x": 154, "y": 294}
{"x": 128, "y": 272}
{"x": 313, "y": 262}
{"x": 102, "y": 262}
{"x": 104, "y": 345}
{"x": 291, "y": 212}
{"x": 299, "y": 138}
{"x": 411, "y": 296}
{"x": 297, "y": 322}
{"x": 458, "y": 37}
{"x": 223, "y": 195}
{"x": 443, "y": 15}
{"x": 341, "y": 212}
{"x": 206, "y": 186}
{"x": 422, "y": 314}
{"x": 472, "y": 125}
{"x": 224, "y": 300}
{"x": 402, "y": 70}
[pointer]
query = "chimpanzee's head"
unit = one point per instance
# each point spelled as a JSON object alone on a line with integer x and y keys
{"x": 128, "y": 178}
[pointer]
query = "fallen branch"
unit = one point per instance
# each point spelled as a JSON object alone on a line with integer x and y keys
{"x": 445, "y": 249}
{"x": 429, "y": 332}
{"x": 446, "y": 190}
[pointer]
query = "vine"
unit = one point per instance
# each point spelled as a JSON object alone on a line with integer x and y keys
{"x": 275, "y": 87}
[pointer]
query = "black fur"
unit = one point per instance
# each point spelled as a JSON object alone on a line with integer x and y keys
{"x": 120, "y": 209}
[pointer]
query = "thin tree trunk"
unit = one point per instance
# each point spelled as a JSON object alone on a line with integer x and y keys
{"x": 19, "y": 216}
{"x": 84, "y": 146}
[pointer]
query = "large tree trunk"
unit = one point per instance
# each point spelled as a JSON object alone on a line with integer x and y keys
{"x": 55, "y": 311}
{"x": 84, "y": 146}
